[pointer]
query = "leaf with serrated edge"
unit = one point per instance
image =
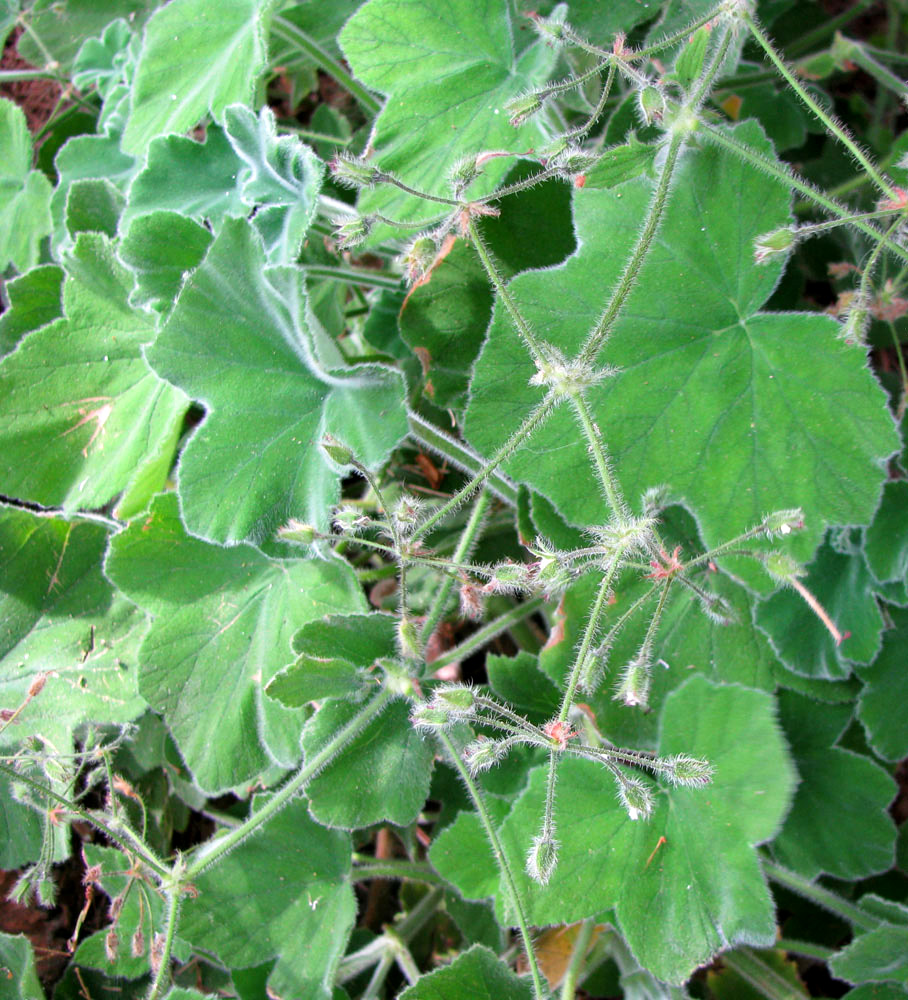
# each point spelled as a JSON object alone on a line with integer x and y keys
{"x": 237, "y": 340}
{"x": 446, "y": 91}
{"x": 706, "y": 382}
{"x": 702, "y": 890}
{"x": 194, "y": 58}
{"x": 223, "y": 618}
{"x": 80, "y": 410}
{"x": 838, "y": 823}
{"x": 477, "y": 973}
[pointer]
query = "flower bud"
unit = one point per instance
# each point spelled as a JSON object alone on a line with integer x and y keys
{"x": 429, "y": 718}
{"x": 508, "y": 578}
{"x": 633, "y": 688}
{"x": 573, "y": 162}
{"x": 419, "y": 257}
{"x": 408, "y": 640}
{"x": 463, "y": 173}
{"x": 783, "y": 522}
{"x": 686, "y": 771}
{"x": 337, "y": 451}
{"x": 457, "y": 700}
{"x": 353, "y": 172}
{"x": 352, "y": 233}
{"x": 296, "y": 531}
{"x": 636, "y": 797}
{"x": 111, "y": 945}
{"x": 780, "y": 566}
{"x": 158, "y": 943}
{"x": 350, "y": 520}
{"x": 471, "y": 602}
{"x": 772, "y": 244}
{"x": 651, "y": 101}
{"x": 37, "y": 686}
{"x": 137, "y": 944}
{"x": 482, "y": 754}
{"x": 552, "y": 32}
{"x": 542, "y": 857}
{"x": 521, "y": 108}
{"x": 406, "y": 514}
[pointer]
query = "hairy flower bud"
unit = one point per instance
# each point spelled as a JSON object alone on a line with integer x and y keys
{"x": 780, "y": 566}
{"x": 353, "y": 172}
{"x": 296, "y": 531}
{"x": 430, "y": 718}
{"x": 457, "y": 700}
{"x": 408, "y": 640}
{"x": 482, "y": 754}
{"x": 406, "y": 514}
{"x": 521, "y": 108}
{"x": 508, "y": 578}
{"x": 772, "y": 244}
{"x": 686, "y": 771}
{"x": 352, "y": 233}
{"x": 111, "y": 945}
{"x": 542, "y": 857}
{"x": 418, "y": 257}
{"x": 651, "y": 102}
{"x": 137, "y": 944}
{"x": 462, "y": 175}
{"x": 633, "y": 688}
{"x": 783, "y": 522}
{"x": 636, "y": 797}
{"x": 350, "y": 520}
{"x": 337, "y": 451}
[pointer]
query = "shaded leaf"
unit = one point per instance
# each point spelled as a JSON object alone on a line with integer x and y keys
{"x": 886, "y": 691}
{"x": 476, "y": 973}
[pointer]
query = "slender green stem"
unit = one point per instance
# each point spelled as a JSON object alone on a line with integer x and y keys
{"x": 504, "y": 293}
{"x": 374, "y": 988}
{"x": 464, "y": 548}
{"x": 882, "y": 74}
{"x": 122, "y": 835}
{"x": 862, "y": 299}
{"x": 578, "y": 958}
{"x": 818, "y": 35}
{"x": 537, "y": 416}
{"x": 903, "y": 371}
{"x": 19, "y": 75}
{"x": 784, "y": 175}
{"x": 835, "y": 128}
{"x": 764, "y": 979}
{"x": 582, "y": 130}
{"x": 610, "y": 489}
{"x": 645, "y": 238}
{"x": 806, "y": 948}
{"x": 424, "y": 195}
{"x": 213, "y": 850}
{"x": 527, "y": 182}
{"x": 822, "y": 897}
{"x": 429, "y": 436}
{"x": 375, "y": 279}
{"x": 291, "y": 33}
{"x": 305, "y": 133}
{"x": 488, "y": 632}
{"x": 812, "y": 228}
{"x": 414, "y": 871}
{"x": 675, "y": 38}
{"x": 500, "y": 860}
{"x": 162, "y": 976}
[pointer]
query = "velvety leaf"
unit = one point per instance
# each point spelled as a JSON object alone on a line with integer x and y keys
{"x": 24, "y": 193}
{"x": 223, "y": 618}
{"x": 886, "y": 540}
{"x": 161, "y": 249}
{"x": 780, "y": 112}
{"x": 445, "y": 89}
{"x": 93, "y": 205}
{"x": 198, "y": 179}
{"x": 237, "y": 340}
{"x": 17, "y": 963}
{"x": 728, "y": 984}
{"x": 519, "y": 681}
{"x": 281, "y": 177}
{"x": 621, "y": 163}
{"x": 60, "y": 618}
{"x": 283, "y": 892}
{"x": 332, "y": 656}
{"x": 381, "y": 775}
{"x": 21, "y": 830}
{"x": 702, "y": 889}
{"x": 461, "y": 852}
{"x": 842, "y": 584}
{"x": 879, "y": 956}
{"x": 81, "y": 410}
{"x": 838, "y": 823}
{"x": 705, "y": 380}
{"x": 444, "y": 323}
{"x": 886, "y": 691}
{"x": 35, "y": 299}
{"x": 477, "y": 973}
{"x": 195, "y": 58}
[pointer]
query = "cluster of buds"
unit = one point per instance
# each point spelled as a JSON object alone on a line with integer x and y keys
{"x": 622, "y": 536}
{"x": 551, "y": 572}
{"x": 563, "y": 376}
{"x": 449, "y": 704}
{"x": 419, "y": 256}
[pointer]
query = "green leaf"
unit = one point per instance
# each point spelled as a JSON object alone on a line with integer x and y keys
{"x": 520, "y": 682}
{"x": 706, "y": 382}
{"x": 21, "y": 830}
{"x": 237, "y": 340}
{"x": 886, "y": 540}
{"x": 702, "y": 889}
{"x": 17, "y": 966}
{"x": 879, "y": 956}
{"x": 477, "y": 973}
{"x": 446, "y": 89}
{"x": 886, "y": 691}
{"x": 689, "y": 63}
{"x": 461, "y": 852}
{"x": 283, "y": 892}
{"x": 81, "y": 410}
{"x": 198, "y": 179}
{"x": 382, "y": 775}
{"x": 161, "y": 249}
{"x": 281, "y": 178}
{"x": 223, "y": 619}
{"x": 444, "y": 321}
{"x": 622, "y": 163}
{"x": 60, "y": 618}
{"x": 332, "y": 657}
{"x": 93, "y": 205}
{"x": 35, "y": 299}
{"x": 24, "y": 193}
{"x": 194, "y": 59}
{"x": 838, "y": 824}
{"x": 842, "y": 584}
